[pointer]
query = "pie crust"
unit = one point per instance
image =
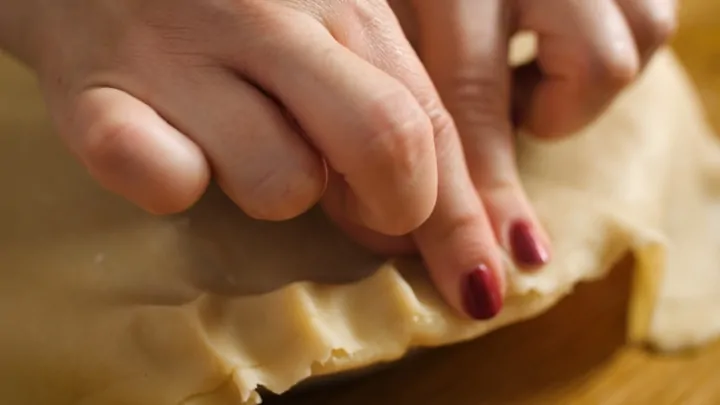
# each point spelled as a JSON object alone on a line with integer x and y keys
{"x": 103, "y": 304}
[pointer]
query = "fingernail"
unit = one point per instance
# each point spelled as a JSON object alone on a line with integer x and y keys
{"x": 526, "y": 247}
{"x": 481, "y": 294}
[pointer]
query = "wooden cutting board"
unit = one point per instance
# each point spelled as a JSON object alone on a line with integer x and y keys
{"x": 574, "y": 354}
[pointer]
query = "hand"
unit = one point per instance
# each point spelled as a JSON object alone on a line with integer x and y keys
{"x": 588, "y": 52}
{"x": 283, "y": 102}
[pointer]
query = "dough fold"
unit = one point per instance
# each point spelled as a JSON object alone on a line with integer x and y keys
{"x": 103, "y": 304}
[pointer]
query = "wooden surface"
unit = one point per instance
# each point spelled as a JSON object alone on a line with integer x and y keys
{"x": 575, "y": 354}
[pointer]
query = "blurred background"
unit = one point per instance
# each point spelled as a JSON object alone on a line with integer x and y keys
{"x": 698, "y": 45}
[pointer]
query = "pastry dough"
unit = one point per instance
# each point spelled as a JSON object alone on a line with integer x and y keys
{"x": 103, "y": 304}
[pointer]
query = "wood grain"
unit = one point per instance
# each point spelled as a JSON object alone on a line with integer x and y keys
{"x": 576, "y": 353}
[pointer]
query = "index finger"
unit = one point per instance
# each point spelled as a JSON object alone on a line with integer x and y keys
{"x": 457, "y": 241}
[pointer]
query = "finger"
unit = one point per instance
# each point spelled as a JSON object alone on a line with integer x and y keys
{"x": 380, "y": 41}
{"x": 259, "y": 160}
{"x": 134, "y": 152}
{"x": 467, "y": 59}
{"x": 587, "y": 55}
{"x": 652, "y": 23}
{"x": 368, "y": 125}
{"x": 457, "y": 241}
{"x": 375, "y": 241}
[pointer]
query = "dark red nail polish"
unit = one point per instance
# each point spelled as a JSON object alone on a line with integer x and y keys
{"x": 526, "y": 248}
{"x": 481, "y": 293}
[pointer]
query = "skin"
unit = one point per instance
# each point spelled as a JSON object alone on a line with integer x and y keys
{"x": 395, "y": 117}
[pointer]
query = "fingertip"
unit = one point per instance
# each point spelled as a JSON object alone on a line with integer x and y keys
{"x": 481, "y": 293}
{"x": 384, "y": 221}
{"x": 392, "y": 220}
{"x": 389, "y": 220}
{"x": 529, "y": 250}
{"x": 392, "y": 185}
{"x": 285, "y": 194}
{"x": 515, "y": 223}
{"x": 131, "y": 151}
{"x": 179, "y": 196}
{"x": 376, "y": 242}
{"x": 463, "y": 260}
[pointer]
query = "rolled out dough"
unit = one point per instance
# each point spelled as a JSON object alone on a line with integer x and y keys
{"x": 103, "y": 304}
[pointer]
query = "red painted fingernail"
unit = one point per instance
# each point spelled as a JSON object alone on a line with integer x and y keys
{"x": 526, "y": 247}
{"x": 481, "y": 294}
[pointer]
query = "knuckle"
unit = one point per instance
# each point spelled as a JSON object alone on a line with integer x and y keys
{"x": 280, "y": 194}
{"x": 185, "y": 191}
{"x": 616, "y": 68}
{"x": 444, "y": 130}
{"x": 476, "y": 98}
{"x": 366, "y": 12}
{"x": 111, "y": 153}
{"x": 478, "y": 102}
{"x": 466, "y": 223}
{"x": 399, "y": 132}
{"x": 443, "y": 123}
{"x": 408, "y": 216}
{"x": 264, "y": 19}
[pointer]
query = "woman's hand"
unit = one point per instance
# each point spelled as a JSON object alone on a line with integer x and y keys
{"x": 284, "y": 102}
{"x": 289, "y": 102}
{"x": 588, "y": 52}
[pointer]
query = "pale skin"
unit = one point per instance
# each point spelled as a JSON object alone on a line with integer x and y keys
{"x": 406, "y": 143}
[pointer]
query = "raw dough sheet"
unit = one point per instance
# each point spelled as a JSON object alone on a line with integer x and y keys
{"x": 103, "y": 304}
